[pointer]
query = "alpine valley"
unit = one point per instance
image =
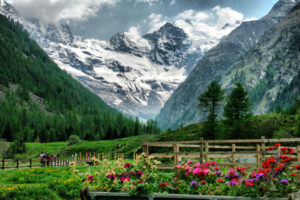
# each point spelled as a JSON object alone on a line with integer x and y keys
{"x": 135, "y": 74}
{"x": 263, "y": 55}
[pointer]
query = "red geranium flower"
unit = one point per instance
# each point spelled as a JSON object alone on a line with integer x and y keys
{"x": 89, "y": 178}
{"x": 127, "y": 165}
{"x": 277, "y": 145}
{"x": 293, "y": 174}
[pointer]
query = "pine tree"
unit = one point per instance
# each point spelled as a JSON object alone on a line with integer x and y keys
{"x": 237, "y": 112}
{"x": 109, "y": 133}
{"x": 136, "y": 126}
{"x": 210, "y": 102}
{"x": 124, "y": 132}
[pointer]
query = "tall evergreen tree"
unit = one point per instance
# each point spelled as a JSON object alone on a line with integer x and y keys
{"x": 136, "y": 126}
{"x": 237, "y": 112}
{"x": 210, "y": 102}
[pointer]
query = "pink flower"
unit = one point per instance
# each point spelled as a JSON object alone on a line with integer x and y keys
{"x": 122, "y": 179}
{"x": 195, "y": 171}
{"x": 127, "y": 165}
{"x": 203, "y": 181}
{"x": 219, "y": 180}
{"x": 178, "y": 166}
{"x": 198, "y": 165}
{"x": 112, "y": 176}
{"x": 217, "y": 168}
{"x": 213, "y": 163}
{"x": 189, "y": 162}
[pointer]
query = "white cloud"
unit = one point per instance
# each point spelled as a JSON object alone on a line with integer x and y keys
{"x": 227, "y": 15}
{"x": 150, "y": 2}
{"x": 56, "y": 10}
{"x": 205, "y": 28}
{"x": 156, "y": 21}
{"x": 172, "y": 2}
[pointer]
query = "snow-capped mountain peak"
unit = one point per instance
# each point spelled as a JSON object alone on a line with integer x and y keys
{"x": 135, "y": 74}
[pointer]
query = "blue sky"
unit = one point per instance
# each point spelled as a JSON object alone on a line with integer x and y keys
{"x": 103, "y": 18}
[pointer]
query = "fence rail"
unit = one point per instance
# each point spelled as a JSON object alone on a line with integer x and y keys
{"x": 59, "y": 162}
{"x": 233, "y": 150}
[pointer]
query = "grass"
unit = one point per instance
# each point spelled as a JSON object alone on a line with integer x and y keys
{"x": 127, "y": 145}
{"x": 42, "y": 183}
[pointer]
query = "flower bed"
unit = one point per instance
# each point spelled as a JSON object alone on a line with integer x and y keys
{"x": 275, "y": 179}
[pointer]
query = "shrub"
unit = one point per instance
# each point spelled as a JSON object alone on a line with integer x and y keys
{"x": 73, "y": 139}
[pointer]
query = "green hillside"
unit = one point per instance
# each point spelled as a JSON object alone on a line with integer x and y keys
{"x": 41, "y": 102}
{"x": 273, "y": 125}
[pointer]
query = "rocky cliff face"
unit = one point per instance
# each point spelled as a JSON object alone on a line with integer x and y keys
{"x": 181, "y": 107}
{"x": 271, "y": 66}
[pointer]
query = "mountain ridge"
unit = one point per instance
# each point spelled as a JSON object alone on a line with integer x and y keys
{"x": 135, "y": 74}
{"x": 181, "y": 107}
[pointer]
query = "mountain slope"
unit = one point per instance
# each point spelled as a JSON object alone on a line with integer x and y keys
{"x": 135, "y": 74}
{"x": 38, "y": 100}
{"x": 181, "y": 107}
{"x": 270, "y": 70}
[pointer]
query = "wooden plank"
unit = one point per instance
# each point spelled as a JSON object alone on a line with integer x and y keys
{"x": 225, "y": 141}
{"x": 221, "y": 156}
{"x": 206, "y": 152}
{"x": 201, "y": 150}
{"x": 230, "y": 153}
{"x": 146, "y": 148}
{"x": 258, "y": 155}
{"x": 263, "y": 148}
{"x": 233, "y": 141}
{"x": 162, "y": 155}
{"x": 3, "y": 164}
{"x": 233, "y": 155}
{"x": 161, "y": 145}
{"x": 245, "y": 156}
{"x": 238, "y": 164}
{"x": 175, "y": 154}
{"x": 165, "y": 166}
{"x": 229, "y": 147}
{"x": 298, "y": 153}
{"x": 189, "y": 145}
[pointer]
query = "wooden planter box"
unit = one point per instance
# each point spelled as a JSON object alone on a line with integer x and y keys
{"x": 94, "y": 195}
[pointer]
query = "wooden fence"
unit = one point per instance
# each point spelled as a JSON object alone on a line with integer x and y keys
{"x": 59, "y": 162}
{"x": 230, "y": 150}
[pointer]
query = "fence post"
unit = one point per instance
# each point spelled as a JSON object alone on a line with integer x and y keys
{"x": 80, "y": 158}
{"x": 258, "y": 153}
{"x": 175, "y": 154}
{"x": 206, "y": 152}
{"x": 201, "y": 150}
{"x": 233, "y": 156}
{"x": 30, "y": 162}
{"x": 18, "y": 164}
{"x": 298, "y": 153}
{"x": 263, "y": 148}
{"x": 3, "y": 164}
{"x": 146, "y": 149}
